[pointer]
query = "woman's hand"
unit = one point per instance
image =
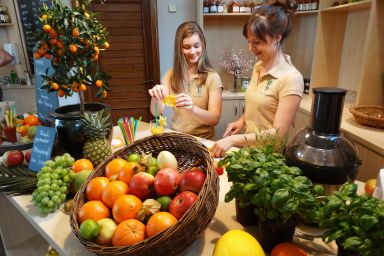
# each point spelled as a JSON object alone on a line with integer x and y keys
{"x": 159, "y": 91}
{"x": 234, "y": 127}
{"x": 184, "y": 101}
{"x": 221, "y": 146}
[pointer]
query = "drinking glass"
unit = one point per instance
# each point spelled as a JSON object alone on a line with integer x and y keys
{"x": 10, "y": 133}
{"x": 156, "y": 128}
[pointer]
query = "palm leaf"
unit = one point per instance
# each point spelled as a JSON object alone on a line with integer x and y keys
{"x": 17, "y": 180}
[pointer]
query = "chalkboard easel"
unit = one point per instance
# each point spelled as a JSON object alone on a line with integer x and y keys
{"x": 29, "y": 18}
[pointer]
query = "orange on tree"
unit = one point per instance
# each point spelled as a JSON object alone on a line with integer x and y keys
{"x": 46, "y": 28}
{"x": 128, "y": 170}
{"x": 158, "y": 222}
{"x": 99, "y": 83}
{"x": 47, "y": 56}
{"x": 75, "y": 32}
{"x": 114, "y": 167}
{"x": 95, "y": 188}
{"x": 72, "y": 48}
{"x": 36, "y": 55}
{"x": 126, "y": 207}
{"x": 83, "y": 87}
{"x": 105, "y": 94}
{"x": 288, "y": 249}
{"x": 94, "y": 210}
{"x": 82, "y": 164}
{"x": 113, "y": 191}
{"x": 61, "y": 93}
{"x": 106, "y": 45}
{"x": 128, "y": 232}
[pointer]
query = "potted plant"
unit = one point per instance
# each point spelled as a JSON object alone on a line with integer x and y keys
{"x": 279, "y": 194}
{"x": 73, "y": 38}
{"x": 355, "y": 222}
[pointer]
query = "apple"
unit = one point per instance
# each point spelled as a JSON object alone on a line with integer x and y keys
{"x": 27, "y": 155}
{"x": 219, "y": 170}
{"x": 181, "y": 203}
{"x": 141, "y": 185}
{"x": 192, "y": 180}
{"x": 13, "y": 158}
{"x": 167, "y": 181}
{"x": 107, "y": 228}
{"x": 369, "y": 186}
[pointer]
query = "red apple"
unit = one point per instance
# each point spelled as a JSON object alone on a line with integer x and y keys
{"x": 141, "y": 185}
{"x": 192, "y": 180}
{"x": 13, "y": 158}
{"x": 167, "y": 181}
{"x": 27, "y": 155}
{"x": 219, "y": 170}
{"x": 369, "y": 186}
{"x": 181, "y": 203}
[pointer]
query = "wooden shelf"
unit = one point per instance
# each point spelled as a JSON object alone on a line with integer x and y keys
{"x": 306, "y": 12}
{"x": 6, "y": 24}
{"x": 226, "y": 14}
{"x": 349, "y": 7}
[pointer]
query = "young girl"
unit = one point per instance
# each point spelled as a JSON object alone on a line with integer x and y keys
{"x": 196, "y": 86}
{"x": 275, "y": 90}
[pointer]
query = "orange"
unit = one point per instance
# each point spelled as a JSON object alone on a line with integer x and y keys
{"x": 83, "y": 87}
{"x": 46, "y": 28}
{"x": 159, "y": 222}
{"x": 288, "y": 249}
{"x": 75, "y": 32}
{"x": 128, "y": 232}
{"x": 61, "y": 93}
{"x": 104, "y": 94}
{"x": 31, "y": 120}
{"x": 82, "y": 164}
{"x": 95, "y": 188}
{"x": 113, "y": 191}
{"x": 47, "y": 56}
{"x": 73, "y": 48}
{"x": 106, "y": 45}
{"x": 126, "y": 207}
{"x": 55, "y": 86}
{"x": 23, "y": 130}
{"x": 99, "y": 83}
{"x": 114, "y": 167}
{"x": 94, "y": 210}
{"x": 128, "y": 170}
{"x": 37, "y": 55}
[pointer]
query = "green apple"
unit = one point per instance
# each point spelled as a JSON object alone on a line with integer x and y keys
{"x": 80, "y": 178}
{"x": 26, "y": 140}
{"x": 107, "y": 228}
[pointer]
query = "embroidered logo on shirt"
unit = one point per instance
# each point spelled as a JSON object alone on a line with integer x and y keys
{"x": 269, "y": 82}
{"x": 199, "y": 90}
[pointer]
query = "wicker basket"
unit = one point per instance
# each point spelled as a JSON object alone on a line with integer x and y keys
{"x": 369, "y": 115}
{"x": 174, "y": 240}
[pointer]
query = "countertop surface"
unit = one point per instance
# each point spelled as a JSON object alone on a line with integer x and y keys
{"x": 56, "y": 230}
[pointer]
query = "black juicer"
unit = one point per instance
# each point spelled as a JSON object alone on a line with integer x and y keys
{"x": 320, "y": 150}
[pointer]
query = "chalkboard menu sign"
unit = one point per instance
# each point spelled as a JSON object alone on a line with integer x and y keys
{"x": 29, "y": 11}
{"x": 45, "y": 102}
{"x": 42, "y": 147}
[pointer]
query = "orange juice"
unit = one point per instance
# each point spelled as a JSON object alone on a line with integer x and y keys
{"x": 170, "y": 100}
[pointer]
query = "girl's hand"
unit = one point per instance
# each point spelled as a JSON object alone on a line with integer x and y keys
{"x": 159, "y": 91}
{"x": 234, "y": 127}
{"x": 184, "y": 101}
{"x": 221, "y": 146}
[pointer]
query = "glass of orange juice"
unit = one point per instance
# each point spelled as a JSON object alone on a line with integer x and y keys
{"x": 170, "y": 101}
{"x": 156, "y": 128}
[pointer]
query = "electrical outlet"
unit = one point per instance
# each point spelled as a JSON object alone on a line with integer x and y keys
{"x": 172, "y": 8}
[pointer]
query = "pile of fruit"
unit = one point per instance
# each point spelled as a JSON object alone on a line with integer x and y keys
{"x": 26, "y": 127}
{"x": 137, "y": 198}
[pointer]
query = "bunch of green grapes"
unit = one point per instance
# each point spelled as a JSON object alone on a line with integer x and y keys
{"x": 53, "y": 183}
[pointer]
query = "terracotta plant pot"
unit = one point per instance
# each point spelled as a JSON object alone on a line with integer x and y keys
{"x": 67, "y": 121}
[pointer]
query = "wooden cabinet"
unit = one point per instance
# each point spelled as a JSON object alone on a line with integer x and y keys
{"x": 336, "y": 46}
{"x": 233, "y": 106}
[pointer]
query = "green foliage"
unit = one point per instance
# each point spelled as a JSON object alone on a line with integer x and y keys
{"x": 261, "y": 178}
{"x": 74, "y": 38}
{"x": 355, "y": 222}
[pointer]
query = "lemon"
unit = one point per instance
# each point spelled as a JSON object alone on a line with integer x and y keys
{"x": 237, "y": 243}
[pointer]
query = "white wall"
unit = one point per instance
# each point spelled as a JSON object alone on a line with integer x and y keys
{"x": 167, "y": 25}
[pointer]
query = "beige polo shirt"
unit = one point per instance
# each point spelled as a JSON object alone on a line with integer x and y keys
{"x": 183, "y": 121}
{"x": 262, "y": 97}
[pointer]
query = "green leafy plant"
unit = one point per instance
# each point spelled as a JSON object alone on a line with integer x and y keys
{"x": 72, "y": 38}
{"x": 261, "y": 178}
{"x": 355, "y": 222}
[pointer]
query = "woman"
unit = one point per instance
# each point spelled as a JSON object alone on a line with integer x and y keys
{"x": 196, "y": 86}
{"x": 275, "y": 90}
